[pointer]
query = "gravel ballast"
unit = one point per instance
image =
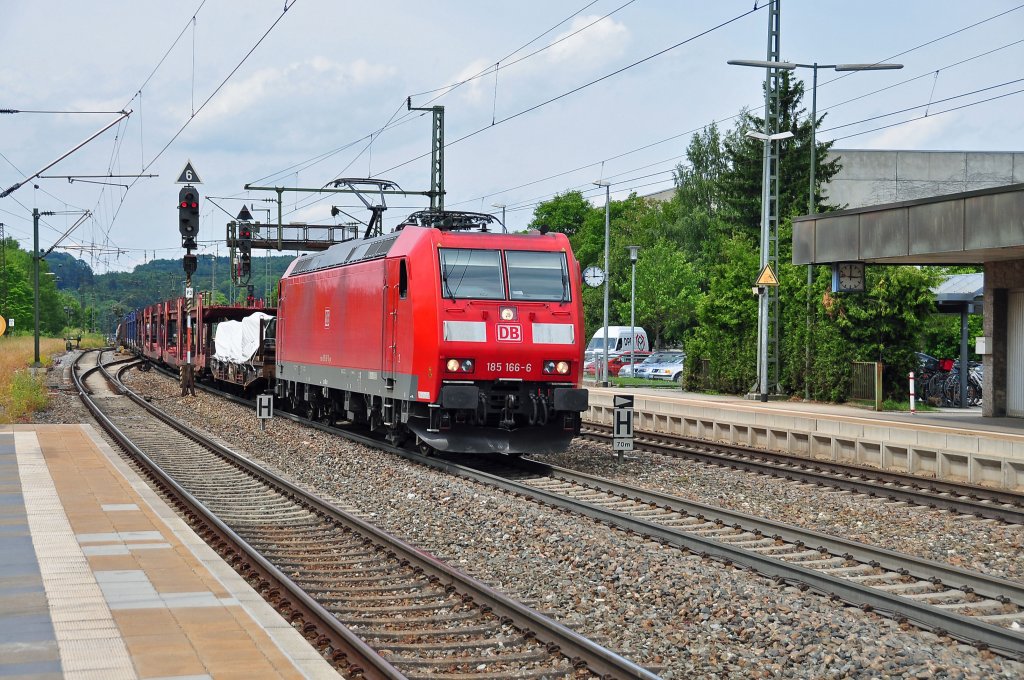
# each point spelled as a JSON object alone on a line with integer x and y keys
{"x": 681, "y": 615}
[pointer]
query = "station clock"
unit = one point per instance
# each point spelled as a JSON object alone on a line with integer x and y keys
{"x": 593, "y": 276}
{"x": 848, "y": 277}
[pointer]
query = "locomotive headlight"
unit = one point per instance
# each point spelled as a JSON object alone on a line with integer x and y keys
{"x": 560, "y": 367}
{"x": 459, "y": 365}
{"x": 507, "y": 313}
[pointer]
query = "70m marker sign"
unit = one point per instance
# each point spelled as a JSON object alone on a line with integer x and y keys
{"x": 622, "y": 422}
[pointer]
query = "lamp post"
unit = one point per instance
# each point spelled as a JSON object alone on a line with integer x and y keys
{"x": 35, "y": 277}
{"x": 504, "y": 229}
{"x": 762, "y": 300}
{"x": 607, "y": 218}
{"x": 811, "y": 202}
{"x": 634, "y": 251}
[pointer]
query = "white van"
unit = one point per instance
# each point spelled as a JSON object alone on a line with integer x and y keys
{"x": 619, "y": 341}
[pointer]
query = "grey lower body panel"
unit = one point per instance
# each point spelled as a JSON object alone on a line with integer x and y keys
{"x": 478, "y": 439}
{"x": 377, "y": 383}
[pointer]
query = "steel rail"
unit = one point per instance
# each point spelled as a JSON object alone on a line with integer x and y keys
{"x": 598, "y": 659}
{"x": 969, "y": 499}
{"x": 1000, "y": 639}
{"x": 361, "y": 658}
{"x": 965, "y": 628}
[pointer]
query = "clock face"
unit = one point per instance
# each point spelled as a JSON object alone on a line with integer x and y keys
{"x": 851, "y": 276}
{"x": 593, "y": 276}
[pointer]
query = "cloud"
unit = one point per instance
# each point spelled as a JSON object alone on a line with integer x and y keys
{"x": 919, "y": 134}
{"x": 310, "y": 78}
{"x": 475, "y": 91}
{"x": 599, "y": 43}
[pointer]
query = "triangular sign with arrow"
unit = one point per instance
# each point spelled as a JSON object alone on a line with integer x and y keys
{"x": 244, "y": 215}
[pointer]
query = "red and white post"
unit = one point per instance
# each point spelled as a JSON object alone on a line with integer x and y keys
{"x": 912, "y": 393}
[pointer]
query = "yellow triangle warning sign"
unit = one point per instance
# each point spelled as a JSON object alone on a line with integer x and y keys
{"x": 767, "y": 277}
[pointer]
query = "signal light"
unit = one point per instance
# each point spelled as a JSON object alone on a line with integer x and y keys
{"x": 188, "y": 216}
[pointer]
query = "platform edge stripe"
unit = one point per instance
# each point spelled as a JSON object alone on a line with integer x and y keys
{"x": 289, "y": 642}
{"x": 55, "y": 544}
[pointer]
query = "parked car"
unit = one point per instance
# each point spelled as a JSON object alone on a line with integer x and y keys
{"x": 670, "y": 369}
{"x": 658, "y": 359}
{"x": 617, "y": 363}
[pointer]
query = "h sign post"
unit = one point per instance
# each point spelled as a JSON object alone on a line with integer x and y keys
{"x": 622, "y": 423}
{"x": 264, "y": 409}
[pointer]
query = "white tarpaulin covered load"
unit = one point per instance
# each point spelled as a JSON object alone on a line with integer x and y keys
{"x": 237, "y": 341}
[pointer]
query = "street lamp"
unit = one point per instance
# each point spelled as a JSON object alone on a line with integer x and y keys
{"x": 502, "y": 206}
{"x": 607, "y": 217}
{"x": 811, "y": 202}
{"x": 35, "y": 277}
{"x": 634, "y": 251}
{"x": 762, "y": 300}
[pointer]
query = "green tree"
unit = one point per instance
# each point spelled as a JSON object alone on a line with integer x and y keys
{"x": 721, "y": 353}
{"x": 884, "y": 324}
{"x": 565, "y": 213}
{"x": 743, "y": 182}
{"x": 666, "y": 294}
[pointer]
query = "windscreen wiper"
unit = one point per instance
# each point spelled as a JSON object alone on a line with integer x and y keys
{"x": 447, "y": 290}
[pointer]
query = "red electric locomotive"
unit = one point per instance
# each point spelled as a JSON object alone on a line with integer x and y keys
{"x": 469, "y": 340}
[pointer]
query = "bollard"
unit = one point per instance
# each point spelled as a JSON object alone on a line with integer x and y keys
{"x": 912, "y": 395}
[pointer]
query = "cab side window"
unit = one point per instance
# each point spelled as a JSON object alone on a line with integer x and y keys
{"x": 403, "y": 281}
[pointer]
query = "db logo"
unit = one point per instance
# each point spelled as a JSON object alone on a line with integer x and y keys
{"x": 510, "y": 332}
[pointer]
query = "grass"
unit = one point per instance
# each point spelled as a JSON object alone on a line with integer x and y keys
{"x": 636, "y": 382}
{"x": 894, "y": 405}
{"x": 21, "y": 393}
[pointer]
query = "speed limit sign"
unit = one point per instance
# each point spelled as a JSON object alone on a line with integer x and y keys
{"x": 188, "y": 175}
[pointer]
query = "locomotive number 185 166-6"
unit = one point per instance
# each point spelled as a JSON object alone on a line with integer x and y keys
{"x": 508, "y": 367}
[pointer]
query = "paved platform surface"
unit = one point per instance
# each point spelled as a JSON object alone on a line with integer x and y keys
{"x": 99, "y": 579}
{"x": 954, "y": 418}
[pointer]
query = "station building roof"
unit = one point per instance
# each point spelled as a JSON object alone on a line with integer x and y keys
{"x": 971, "y": 227}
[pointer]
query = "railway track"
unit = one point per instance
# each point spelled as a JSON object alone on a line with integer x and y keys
{"x": 965, "y": 605}
{"x": 374, "y": 605}
{"x": 975, "y": 608}
{"x": 964, "y": 499}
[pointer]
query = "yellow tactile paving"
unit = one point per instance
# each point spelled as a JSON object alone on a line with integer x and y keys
{"x": 175, "y": 616}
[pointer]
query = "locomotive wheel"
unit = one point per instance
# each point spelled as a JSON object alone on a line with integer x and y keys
{"x": 424, "y": 448}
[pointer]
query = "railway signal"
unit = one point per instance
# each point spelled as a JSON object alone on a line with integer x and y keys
{"x": 188, "y": 216}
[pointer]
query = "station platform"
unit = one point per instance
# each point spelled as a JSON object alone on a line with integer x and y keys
{"x": 949, "y": 443}
{"x": 99, "y": 579}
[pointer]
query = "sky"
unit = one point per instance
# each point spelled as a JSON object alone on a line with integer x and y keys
{"x": 570, "y": 91}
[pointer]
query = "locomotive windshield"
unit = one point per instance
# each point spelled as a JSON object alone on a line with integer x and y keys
{"x": 471, "y": 273}
{"x": 537, "y": 275}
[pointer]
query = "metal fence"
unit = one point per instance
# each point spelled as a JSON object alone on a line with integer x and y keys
{"x": 867, "y": 382}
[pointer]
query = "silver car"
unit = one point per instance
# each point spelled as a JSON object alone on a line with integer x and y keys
{"x": 647, "y": 369}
